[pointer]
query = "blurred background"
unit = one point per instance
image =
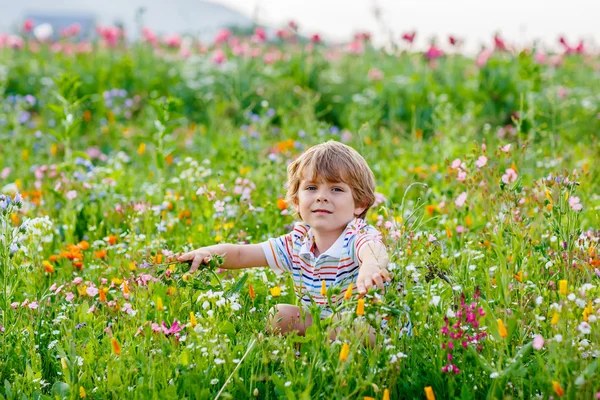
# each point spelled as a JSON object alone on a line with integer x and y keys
{"x": 521, "y": 22}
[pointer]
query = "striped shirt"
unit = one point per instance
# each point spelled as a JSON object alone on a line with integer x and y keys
{"x": 338, "y": 266}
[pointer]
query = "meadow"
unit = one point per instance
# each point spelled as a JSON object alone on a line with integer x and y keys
{"x": 117, "y": 154}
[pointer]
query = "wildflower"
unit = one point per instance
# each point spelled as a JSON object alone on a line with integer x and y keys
{"x": 103, "y": 292}
{"x": 461, "y": 199}
{"x": 159, "y": 304}
{"x": 501, "y": 328}
{"x": 429, "y": 393}
{"x": 115, "y": 346}
{"x": 193, "y": 321}
{"x": 63, "y": 363}
{"x": 557, "y": 389}
{"x": 575, "y": 204}
{"x": 509, "y": 176}
{"x": 275, "y": 291}
{"x": 386, "y": 394}
{"x": 481, "y": 161}
{"x": 344, "y": 352}
{"x": 49, "y": 268}
{"x": 323, "y": 288}
{"x": 563, "y": 286}
{"x": 360, "y": 307}
{"x": 555, "y": 318}
{"x": 538, "y": 342}
{"x": 281, "y": 204}
{"x": 251, "y": 292}
{"x": 175, "y": 327}
{"x": 584, "y": 328}
{"x": 91, "y": 291}
{"x": 82, "y": 394}
{"x": 348, "y": 293}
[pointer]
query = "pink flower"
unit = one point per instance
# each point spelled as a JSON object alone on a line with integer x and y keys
{"x": 456, "y": 163}
{"x": 434, "y": 52}
{"x": 574, "y": 203}
{"x": 33, "y": 305}
{"x": 540, "y": 57}
{"x": 14, "y": 304}
{"x": 462, "y": 175}
{"x": 78, "y": 280}
{"x": 5, "y": 172}
{"x": 409, "y": 36}
{"x": 71, "y": 194}
{"x": 375, "y": 74}
{"x": 222, "y": 36}
{"x": 28, "y": 25}
{"x": 219, "y": 56}
{"x": 483, "y": 57}
{"x": 461, "y": 199}
{"x": 562, "y": 92}
{"x": 315, "y": 38}
{"x": 175, "y": 327}
{"x": 388, "y": 225}
{"x": 460, "y": 229}
{"x": 431, "y": 238}
{"x": 499, "y": 43}
{"x": 260, "y": 35}
{"x": 538, "y": 342}
{"x": 91, "y": 291}
{"x": 173, "y": 40}
{"x": 505, "y": 148}
{"x": 149, "y": 36}
{"x": 509, "y": 176}
{"x": 70, "y": 297}
{"x": 481, "y": 161}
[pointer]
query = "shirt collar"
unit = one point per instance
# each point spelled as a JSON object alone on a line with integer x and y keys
{"x": 335, "y": 251}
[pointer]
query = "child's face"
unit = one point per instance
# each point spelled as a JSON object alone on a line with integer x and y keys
{"x": 326, "y": 206}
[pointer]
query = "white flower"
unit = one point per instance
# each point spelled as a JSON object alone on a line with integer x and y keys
{"x": 450, "y": 313}
{"x": 539, "y": 300}
{"x": 214, "y": 381}
{"x": 584, "y": 328}
{"x": 558, "y": 338}
{"x": 494, "y": 375}
{"x": 571, "y": 296}
{"x": 219, "y": 361}
{"x": 435, "y": 300}
{"x": 43, "y": 32}
{"x": 205, "y": 305}
{"x": 288, "y": 383}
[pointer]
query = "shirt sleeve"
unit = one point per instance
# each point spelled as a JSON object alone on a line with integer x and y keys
{"x": 278, "y": 253}
{"x": 365, "y": 235}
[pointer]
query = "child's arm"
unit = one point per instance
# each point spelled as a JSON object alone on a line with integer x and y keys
{"x": 236, "y": 256}
{"x": 373, "y": 267}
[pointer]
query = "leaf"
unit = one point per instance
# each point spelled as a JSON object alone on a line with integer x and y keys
{"x": 238, "y": 285}
{"x": 228, "y": 328}
{"x": 60, "y": 389}
{"x": 7, "y": 389}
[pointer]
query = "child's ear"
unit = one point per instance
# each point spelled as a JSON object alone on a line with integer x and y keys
{"x": 359, "y": 210}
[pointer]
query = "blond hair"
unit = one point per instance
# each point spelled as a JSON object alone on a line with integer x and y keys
{"x": 334, "y": 162}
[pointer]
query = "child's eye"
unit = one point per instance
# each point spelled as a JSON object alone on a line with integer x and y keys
{"x": 337, "y": 189}
{"x": 311, "y": 188}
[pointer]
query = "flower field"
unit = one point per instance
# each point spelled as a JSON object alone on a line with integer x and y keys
{"x": 115, "y": 155}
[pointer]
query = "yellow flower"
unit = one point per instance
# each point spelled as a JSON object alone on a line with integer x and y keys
{"x": 49, "y": 268}
{"x": 386, "y": 394}
{"x": 429, "y": 393}
{"x": 587, "y": 311}
{"x": 360, "y": 307}
{"x": 563, "y": 287}
{"x": 345, "y": 352}
{"x": 141, "y": 149}
{"x": 63, "y": 363}
{"x": 554, "y": 320}
{"x": 323, "y": 289}
{"x": 132, "y": 266}
{"x": 557, "y": 389}
{"x": 159, "y": 304}
{"x": 501, "y": 329}
{"x": 82, "y": 394}
{"x": 275, "y": 291}
{"x": 348, "y": 293}
{"x": 468, "y": 221}
{"x": 193, "y": 321}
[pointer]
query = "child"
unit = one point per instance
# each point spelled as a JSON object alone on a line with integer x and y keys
{"x": 332, "y": 188}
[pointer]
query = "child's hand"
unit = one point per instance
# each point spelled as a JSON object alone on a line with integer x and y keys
{"x": 196, "y": 258}
{"x": 370, "y": 275}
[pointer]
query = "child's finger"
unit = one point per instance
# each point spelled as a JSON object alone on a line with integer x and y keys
{"x": 185, "y": 257}
{"x": 386, "y": 275}
{"x": 196, "y": 263}
{"x": 360, "y": 286}
{"x": 378, "y": 280}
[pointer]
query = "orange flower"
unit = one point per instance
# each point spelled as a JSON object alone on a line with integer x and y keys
{"x": 519, "y": 276}
{"x": 125, "y": 288}
{"x": 100, "y": 254}
{"x": 501, "y": 328}
{"x": 431, "y": 209}
{"x": 429, "y": 393}
{"x": 281, "y": 204}
{"x": 386, "y": 394}
{"x": 251, "y": 290}
{"x": 102, "y": 293}
{"x": 48, "y": 267}
{"x": 83, "y": 245}
{"x": 78, "y": 265}
{"x": 159, "y": 258}
{"x": 53, "y": 258}
{"x": 112, "y": 239}
{"x": 557, "y": 389}
{"x": 115, "y": 346}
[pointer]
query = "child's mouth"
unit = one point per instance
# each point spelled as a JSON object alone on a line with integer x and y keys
{"x": 322, "y": 212}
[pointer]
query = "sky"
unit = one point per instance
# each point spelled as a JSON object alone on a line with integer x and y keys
{"x": 519, "y": 21}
